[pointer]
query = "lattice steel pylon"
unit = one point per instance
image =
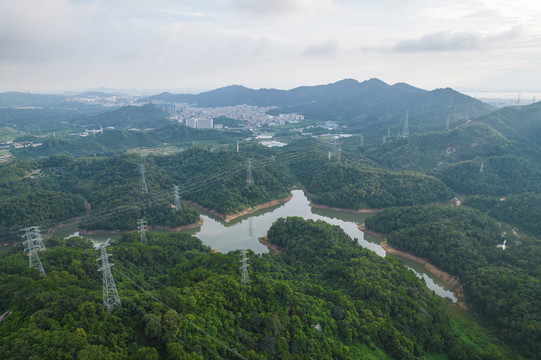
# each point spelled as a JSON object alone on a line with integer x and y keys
{"x": 245, "y": 280}
{"x": 142, "y": 225}
{"x": 406, "y": 130}
{"x": 249, "y": 177}
{"x": 143, "y": 181}
{"x": 176, "y": 193}
{"x": 34, "y": 243}
{"x": 482, "y": 164}
{"x": 447, "y": 123}
{"x": 362, "y": 140}
{"x": 110, "y": 293}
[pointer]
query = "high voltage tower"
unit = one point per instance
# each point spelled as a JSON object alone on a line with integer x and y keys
{"x": 388, "y": 133}
{"x": 143, "y": 181}
{"x": 237, "y": 146}
{"x": 447, "y": 123}
{"x": 34, "y": 243}
{"x": 177, "y": 198}
{"x": 481, "y": 169}
{"x": 330, "y": 155}
{"x": 142, "y": 225}
{"x": 406, "y": 130}
{"x": 245, "y": 278}
{"x": 110, "y": 294}
{"x": 249, "y": 177}
{"x": 362, "y": 140}
{"x": 339, "y": 156}
{"x": 384, "y": 138}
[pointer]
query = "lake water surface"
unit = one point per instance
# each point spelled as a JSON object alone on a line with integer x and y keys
{"x": 243, "y": 232}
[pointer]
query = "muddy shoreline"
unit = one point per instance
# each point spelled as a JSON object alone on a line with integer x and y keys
{"x": 247, "y": 211}
{"x": 449, "y": 280}
{"x": 355, "y": 211}
{"x": 273, "y": 249}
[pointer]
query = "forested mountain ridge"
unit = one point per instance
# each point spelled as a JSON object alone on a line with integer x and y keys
{"x": 119, "y": 141}
{"x": 499, "y": 268}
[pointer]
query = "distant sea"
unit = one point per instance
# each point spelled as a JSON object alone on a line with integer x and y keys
{"x": 501, "y": 99}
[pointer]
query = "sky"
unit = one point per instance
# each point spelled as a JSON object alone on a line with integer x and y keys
{"x": 198, "y": 45}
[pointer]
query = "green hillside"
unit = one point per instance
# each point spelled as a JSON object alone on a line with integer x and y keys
{"x": 501, "y": 285}
{"x": 178, "y": 301}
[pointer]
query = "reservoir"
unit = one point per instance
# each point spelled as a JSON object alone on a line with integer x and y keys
{"x": 243, "y": 232}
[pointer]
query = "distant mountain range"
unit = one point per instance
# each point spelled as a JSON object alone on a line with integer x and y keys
{"x": 371, "y": 107}
{"x": 362, "y": 106}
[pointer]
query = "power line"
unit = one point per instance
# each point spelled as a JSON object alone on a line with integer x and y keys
{"x": 163, "y": 196}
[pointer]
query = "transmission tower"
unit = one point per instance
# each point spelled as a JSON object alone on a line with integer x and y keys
{"x": 143, "y": 181}
{"x": 384, "y": 138}
{"x": 451, "y": 101}
{"x": 110, "y": 294}
{"x": 388, "y": 133}
{"x": 249, "y": 177}
{"x": 362, "y": 140}
{"x": 481, "y": 169}
{"x": 245, "y": 278}
{"x": 176, "y": 193}
{"x": 237, "y": 146}
{"x": 33, "y": 243}
{"x": 447, "y": 123}
{"x": 339, "y": 156}
{"x": 330, "y": 156}
{"x": 406, "y": 130}
{"x": 142, "y": 225}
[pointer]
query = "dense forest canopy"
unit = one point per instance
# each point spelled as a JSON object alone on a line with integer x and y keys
{"x": 179, "y": 301}
{"x": 501, "y": 283}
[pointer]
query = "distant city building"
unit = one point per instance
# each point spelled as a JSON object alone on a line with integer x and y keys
{"x": 192, "y": 122}
{"x": 205, "y": 123}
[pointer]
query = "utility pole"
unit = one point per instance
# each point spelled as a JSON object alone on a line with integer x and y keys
{"x": 110, "y": 294}
{"x": 406, "y": 130}
{"x": 34, "y": 243}
{"x": 142, "y": 225}
{"x": 144, "y": 188}
{"x": 245, "y": 280}
{"x": 177, "y": 198}
{"x": 249, "y": 177}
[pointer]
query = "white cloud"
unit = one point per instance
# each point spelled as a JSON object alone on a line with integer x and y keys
{"x": 456, "y": 41}
{"x": 282, "y": 7}
{"x": 326, "y": 48}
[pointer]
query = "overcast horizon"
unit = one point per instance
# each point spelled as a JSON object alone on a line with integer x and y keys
{"x": 76, "y": 45}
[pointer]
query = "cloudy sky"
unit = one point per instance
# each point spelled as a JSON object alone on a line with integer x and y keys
{"x": 198, "y": 45}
